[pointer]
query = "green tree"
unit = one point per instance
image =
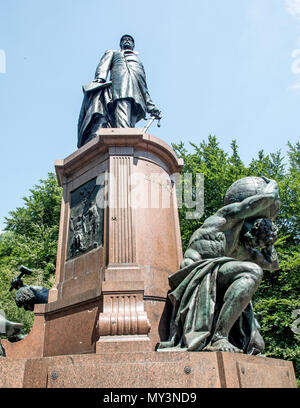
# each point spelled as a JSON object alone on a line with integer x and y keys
{"x": 32, "y": 230}
{"x": 30, "y": 238}
{"x": 220, "y": 170}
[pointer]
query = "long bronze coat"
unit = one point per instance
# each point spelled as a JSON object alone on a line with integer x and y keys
{"x": 128, "y": 81}
{"x": 128, "y": 78}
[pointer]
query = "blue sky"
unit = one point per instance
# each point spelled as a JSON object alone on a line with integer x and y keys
{"x": 229, "y": 68}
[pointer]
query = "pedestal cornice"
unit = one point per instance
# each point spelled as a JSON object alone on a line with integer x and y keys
{"x": 127, "y": 137}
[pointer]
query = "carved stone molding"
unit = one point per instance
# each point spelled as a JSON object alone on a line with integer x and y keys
{"x": 123, "y": 310}
{"x": 121, "y": 224}
{"x": 126, "y": 320}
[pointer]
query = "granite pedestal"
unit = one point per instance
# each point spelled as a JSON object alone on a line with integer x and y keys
{"x": 118, "y": 288}
{"x": 148, "y": 370}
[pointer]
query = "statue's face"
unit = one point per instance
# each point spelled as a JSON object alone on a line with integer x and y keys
{"x": 266, "y": 239}
{"x": 262, "y": 233}
{"x": 127, "y": 43}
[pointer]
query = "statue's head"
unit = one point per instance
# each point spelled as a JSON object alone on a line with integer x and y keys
{"x": 127, "y": 42}
{"x": 262, "y": 233}
{"x": 25, "y": 297}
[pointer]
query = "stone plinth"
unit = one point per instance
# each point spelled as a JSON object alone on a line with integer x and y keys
{"x": 116, "y": 285}
{"x": 148, "y": 370}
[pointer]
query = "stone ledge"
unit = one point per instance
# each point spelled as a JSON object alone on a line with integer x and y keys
{"x": 64, "y": 304}
{"x": 148, "y": 370}
{"x": 113, "y": 138}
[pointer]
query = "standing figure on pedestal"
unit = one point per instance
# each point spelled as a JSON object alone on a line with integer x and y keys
{"x": 221, "y": 270}
{"x": 122, "y": 101}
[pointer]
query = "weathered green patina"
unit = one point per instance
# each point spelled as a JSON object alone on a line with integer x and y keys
{"x": 221, "y": 270}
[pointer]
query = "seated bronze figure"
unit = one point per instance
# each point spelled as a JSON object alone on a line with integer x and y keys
{"x": 221, "y": 270}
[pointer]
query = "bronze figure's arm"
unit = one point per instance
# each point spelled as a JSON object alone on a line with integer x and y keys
{"x": 252, "y": 206}
{"x": 103, "y": 67}
{"x": 267, "y": 258}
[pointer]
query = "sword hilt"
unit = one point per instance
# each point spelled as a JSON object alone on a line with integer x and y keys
{"x": 152, "y": 118}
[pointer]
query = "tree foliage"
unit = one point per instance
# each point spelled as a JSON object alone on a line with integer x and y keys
{"x": 278, "y": 294}
{"x": 30, "y": 239}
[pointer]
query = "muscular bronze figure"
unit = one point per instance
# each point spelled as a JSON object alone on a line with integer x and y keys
{"x": 221, "y": 270}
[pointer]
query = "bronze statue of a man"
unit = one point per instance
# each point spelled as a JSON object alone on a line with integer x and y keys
{"x": 221, "y": 270}
{"x": 122, "y": 101}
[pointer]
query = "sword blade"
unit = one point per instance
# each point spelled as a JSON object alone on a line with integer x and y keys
{"x": 148, "y": 124}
